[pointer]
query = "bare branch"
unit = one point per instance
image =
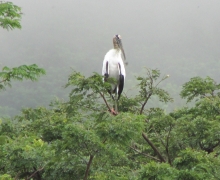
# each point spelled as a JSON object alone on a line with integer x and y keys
{"x": 154, "y": 148}
{"x": 162, "y": 80}
{"x": 149, "y": 93}
{"x": 145, "y": 102}
{"x": 103, "y": 97}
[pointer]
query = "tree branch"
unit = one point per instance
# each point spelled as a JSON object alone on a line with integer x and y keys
{"x": 145, "y": 154}
{"x": 145, "y": 102}
{"x": 162, "y": 80}
{"x": 167, "y": 145}
{"x": 88, "y": 167}
{"x": 158, "y": 136}
{"x": 4, "y": 80}
{"x": 150, "y": 93}
{"x": 103, "y": 97}
{"x": 32, "y": 175}
{"x": 154, "y": 148}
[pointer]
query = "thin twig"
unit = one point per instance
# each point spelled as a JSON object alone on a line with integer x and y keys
{"x": 17, "y": 175}
{"x": 87, "y": 148}
{"x": 90, "y": 161}
{"x": 161, "y": 140}
{"x": 161, "y": 81}
{"x": 149, "y": 93}
{"x": 4, "y": 80}
{"x": 80, "y": 156}
{"x": 145, "y": 154}
{"x": 145, "y": 102}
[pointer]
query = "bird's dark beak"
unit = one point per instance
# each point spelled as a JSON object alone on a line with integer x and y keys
{"x": 122, "y": 50}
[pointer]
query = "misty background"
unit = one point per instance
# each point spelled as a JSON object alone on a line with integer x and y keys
{"x": 181, "y": 39}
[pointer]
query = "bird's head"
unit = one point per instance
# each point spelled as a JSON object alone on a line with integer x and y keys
{"x": 117, "y": 42}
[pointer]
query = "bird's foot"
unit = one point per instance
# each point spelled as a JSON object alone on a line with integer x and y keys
{"x": 113, "y": 112}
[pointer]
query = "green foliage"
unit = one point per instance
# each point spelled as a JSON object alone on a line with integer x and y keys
{"x": 86, "y": 91}
{"x": 5, "y": 177}
{"x": 71, "y": 141}
{"x": 194, "y": 129}
{"x": 199, "y": 87}
{"x": 82, "y": 139}
{"x": 10, "y": 15}
{"x": 189, "y": 164}
{"x": 149, "y": 87}
{"x": 193, "y": 164}
{"x": 20, "y": 73}
{"x": 159, "y": 171}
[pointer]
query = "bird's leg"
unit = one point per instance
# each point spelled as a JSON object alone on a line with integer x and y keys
{"x": 113, "y": 97}
{"x": 113, "y": 112}
{"x": 116, "y": 107}
{"x": 116, "y": 103}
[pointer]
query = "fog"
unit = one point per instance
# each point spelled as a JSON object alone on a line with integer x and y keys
{"x": 181, "y": 39}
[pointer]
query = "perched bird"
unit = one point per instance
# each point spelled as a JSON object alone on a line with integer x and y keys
{"x": 113, "y": 67}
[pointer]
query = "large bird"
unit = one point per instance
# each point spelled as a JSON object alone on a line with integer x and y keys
{"x": 113, "y": 67}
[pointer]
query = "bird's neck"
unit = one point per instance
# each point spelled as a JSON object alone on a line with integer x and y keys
{"x": 116, "y": 46}
{"x": 117, "y": 49}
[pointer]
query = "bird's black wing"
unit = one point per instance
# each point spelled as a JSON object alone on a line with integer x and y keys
{"x": 106, "y": 75}
{"x": 121, "y": 82}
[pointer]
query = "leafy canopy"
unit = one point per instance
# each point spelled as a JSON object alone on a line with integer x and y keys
{"x": 10, "y": 15}
{"x": 20, "y": 73}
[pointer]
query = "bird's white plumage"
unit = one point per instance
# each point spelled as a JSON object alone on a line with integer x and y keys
{"x": 114, "y": 58}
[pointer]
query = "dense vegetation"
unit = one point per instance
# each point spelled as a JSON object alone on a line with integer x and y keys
{"x": 81, "y": 139}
